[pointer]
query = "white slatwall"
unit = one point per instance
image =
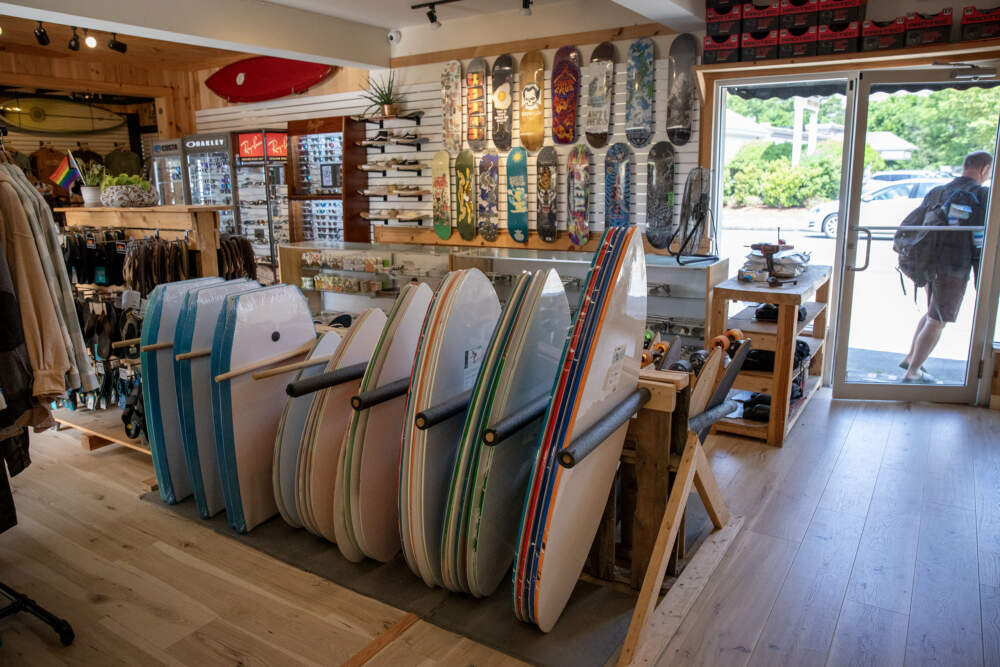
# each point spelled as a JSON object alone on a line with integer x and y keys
{"x": 426, "y": 95}
{"x": 99, "y": 142}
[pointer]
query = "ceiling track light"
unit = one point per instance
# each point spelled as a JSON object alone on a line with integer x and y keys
{"x": 432, "y": 10}
{"x": 89, "y": 40}
{"x": 115, "y": 45}
{"x": 41, "y": 35}
{"x": 526, "y": 7}
{"x": 433, "y": 18}
{"x": 74, "y": 41}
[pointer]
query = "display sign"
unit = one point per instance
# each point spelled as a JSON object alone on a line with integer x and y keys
{"x": 251, "y": 146}
{"x": 277, "y": 145}
{"x": 326, "y": 177}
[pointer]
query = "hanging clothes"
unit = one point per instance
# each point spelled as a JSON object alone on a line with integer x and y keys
{"x": 22, "y": 161}
{"x": 13, "y": 452}
{"x": 122, "y": 161}
{"x": 15, "y": 369}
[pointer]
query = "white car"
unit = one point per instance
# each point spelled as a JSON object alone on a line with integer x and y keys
{"x": 880, "y": 207}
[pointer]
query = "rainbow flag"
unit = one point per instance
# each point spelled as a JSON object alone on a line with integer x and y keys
{"x": 67, "y": 173}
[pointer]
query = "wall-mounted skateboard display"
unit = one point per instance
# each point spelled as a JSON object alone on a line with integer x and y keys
{"x": 660, "y": 228}
{"x": 578, "y": 194}
{"x": 680, "y": 88}
{"x": 600, "y": 95}
{"x": 641, "y": 88}
{"x": 465, "y": 195}
{"x": 488, "y": 192}
{"x": 475, "y": 101}
{"x": 451, "y": 106}
{"x": 546, "y": 177}
{"x": 503, "y": 101}
{"x": 532, "y": 108}
{"x": 618, "y": 186}
{"x": 441, "y": 189}
{"x": 565, "y": 94}
{"x": 517, "y": 194}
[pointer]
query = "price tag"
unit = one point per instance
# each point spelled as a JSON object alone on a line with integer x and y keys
{"x": 130, "y": 299}
{"x": 123, "y": 373}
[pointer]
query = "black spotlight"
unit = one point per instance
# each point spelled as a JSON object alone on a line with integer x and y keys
{"x": 74, "y": 42}
{"x": 116, "y": 45}
{"x": 433, "y": 18}
{"x": 41, "y": 35}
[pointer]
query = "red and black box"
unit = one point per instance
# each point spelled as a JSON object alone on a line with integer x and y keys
{"x": 761, "y": 16}
{"x": 879, "y": 35}
{"x": 797, "y": 42}
{"x": 980, "y": 23}
{"x": 721, "y": 49}
{"x": 759, "y": 46}
{"x": 724, "y": 21}
{"x": 924, "y": 29}
{"x": 799, "y": 13}
{"x": 839, "y": 38}
{"x": 834, "y": 12}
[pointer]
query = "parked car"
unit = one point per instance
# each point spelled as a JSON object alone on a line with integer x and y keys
{"x": 880, "y": 178}
{"x": 880, "y": 207}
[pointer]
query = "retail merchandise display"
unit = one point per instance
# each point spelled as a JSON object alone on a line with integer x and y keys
{"x": 660, "y": 228}
{"x": 211, "y": 172}
{"x": 487, "y": 202}
{"x": 680, "y": 88}
{"x": 618, "y": 185}
{"x": 262, "y": 195}
{"x": 166, "y": 172}
{"x": 465, "y": 194}
{"x": 641, "y": 92}
{"x": 451, "y": 101}
{"x": 565, "y": 94}
{"x": 475, "y": 94}
{"x": 547, "y": 166}
{"x": 532, "y": 107}
{"x": 600, "y": 93}
{"x": 578, "y": 194}
{"x": 517, "y": 194}
{"x": 441, "y": 175}
{"x": 503, "y": 100}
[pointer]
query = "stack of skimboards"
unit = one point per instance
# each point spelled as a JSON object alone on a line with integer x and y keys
{"x": 599, "y": 368}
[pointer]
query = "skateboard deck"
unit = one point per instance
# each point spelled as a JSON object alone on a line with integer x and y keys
{"x": 694, "y": 210}
{"x": 547, "y": 168}
{"x": 532, "y": 100}
{"x": 451, "y": 101}
{"x": 600, "y": 94}
{"x": 465, "y": 194}
{"x": 578, "y": 194}
{"x": 660, "y": 228}
{"x": 517, "y": 195}
{"x": 503, "y": 100}
{"x": 680, "y": 87}
{"x": 641, "y": 84}
{"x": 441, "y": 186}
{"x": 617, "y": 185}
{"x": 475, "y": 103}
{"x": 488, "y": 190}
{"x": 565, "y": 94}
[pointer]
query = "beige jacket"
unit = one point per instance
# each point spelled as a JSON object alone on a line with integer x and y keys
{"x": 43, "y": 335}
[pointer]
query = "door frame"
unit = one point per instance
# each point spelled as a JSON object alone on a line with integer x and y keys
{"x": 979, "y": 354}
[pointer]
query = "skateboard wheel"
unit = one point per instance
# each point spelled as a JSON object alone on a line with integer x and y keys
{"x": 720, "y": 341}
{"x": 681, "y": 365}
{"x": 647, "y": 359}
{"x": 660, "y": 348}
{"x": 697, "y": 360}
{"x": 734, "y": 335}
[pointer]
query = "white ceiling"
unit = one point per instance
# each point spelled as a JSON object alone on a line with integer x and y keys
{"x": 397, "y": 13}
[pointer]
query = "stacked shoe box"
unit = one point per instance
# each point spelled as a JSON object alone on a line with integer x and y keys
{"x": 839, "y": 26}
{"x": 761, "y": 25}
{"x": 980, "y": 23}
{"x": 799, "y": 28}
{"x": 723, "y": 24}
{"x": 880, "y": 35}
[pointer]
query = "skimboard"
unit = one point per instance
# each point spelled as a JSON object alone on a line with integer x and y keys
{"x": 578, "y": 194}
{"x": 565, "y": 94}
{"x": 532, "y": 71}
{"x": 503, "y": 101}
{"x": 441, "y": 191}
{"x": 617, "y": 185}
{"x": 475, "y": 104}
{"x": 680, "y": 86}
{"x": 546, "y": 169}
{"x": 488, "y": 194}
{"x": 451, "y": 103}
{"x": 600, "y": 94}
{"x": 641, "y": 88}
{"x": 660, "y": 228}
{"x": 517, "y": 195}
{"x": 465, "y": 194}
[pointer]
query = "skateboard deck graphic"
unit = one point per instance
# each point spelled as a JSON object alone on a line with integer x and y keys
{"x": 546, "y": 169}
{"x": 532, "y": 100}
{"x": 488, "y": 190}
{"x": 660, "y": 229}
{"x": 451, "y": 102}
{"x": 600, "y": 94}
{"x": 465, "y": 178}
{"x": 441, "y": 179}
{"x": 578, "y": 194}
{"x": 517, "y": 195}
{"x": 565, "y": 94}
{"x": 694, "y": 210}
{"x": 503, "y": 101}
{"x": 475, "y": 101}
{"x": 641, "y": 83}
{"x": 680, "y": 87}
{"x": 617, "y": 185}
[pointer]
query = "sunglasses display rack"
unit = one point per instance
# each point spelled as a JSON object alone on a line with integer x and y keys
{"x": 263, "y": 207}
{"x": 211, "y": 175}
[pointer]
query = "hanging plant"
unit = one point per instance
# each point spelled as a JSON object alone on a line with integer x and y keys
{"x": 383, "y": 96}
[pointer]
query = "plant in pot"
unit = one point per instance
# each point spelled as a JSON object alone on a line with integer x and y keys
{"x": 383, "y": 96}
{"x": 126, "y": 190}
{"x": 92, "y": 174}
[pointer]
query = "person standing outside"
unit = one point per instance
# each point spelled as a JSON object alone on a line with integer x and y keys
{"x": 956, "y": 253}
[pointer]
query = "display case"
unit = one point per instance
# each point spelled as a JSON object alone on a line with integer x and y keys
{"x": 166, "y": 172}
{"x": 211, "y": 175}
{"x": 261, "y": 192}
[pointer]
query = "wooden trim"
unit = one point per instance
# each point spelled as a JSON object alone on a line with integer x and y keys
{"x": 66, "y": 83}
{"x": 535, "y": 43}
{"x": 381, "y": 641}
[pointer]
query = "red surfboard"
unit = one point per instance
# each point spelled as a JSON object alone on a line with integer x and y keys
{"x": 265, "y": 78}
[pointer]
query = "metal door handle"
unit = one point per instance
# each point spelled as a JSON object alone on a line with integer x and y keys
{"x": 868, "y": 250}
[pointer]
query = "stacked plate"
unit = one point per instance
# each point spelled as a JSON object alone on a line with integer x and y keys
{"x": 366, "y": 516}
{"x": 453, "y": 342}
{"x": 326, "y": 422}
{"x": 599, "y": 368}
{"x": 488, "y": 483}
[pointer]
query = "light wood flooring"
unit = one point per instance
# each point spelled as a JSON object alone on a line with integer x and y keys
{"x": 871, "y": 538}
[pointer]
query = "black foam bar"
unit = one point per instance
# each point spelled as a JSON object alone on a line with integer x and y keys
{"x": 369, "y": 399}
{"x": 325, "y": 380}
{"x": 590, "y": 439}
{"x": 514, "y": 422}
{"x": 701, "y": 424}
{"x": 436, "y": 414}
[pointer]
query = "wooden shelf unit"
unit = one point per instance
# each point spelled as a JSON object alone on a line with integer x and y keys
{"x": 812, "y": 291}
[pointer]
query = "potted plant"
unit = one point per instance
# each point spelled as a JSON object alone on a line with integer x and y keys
{"x": 383, "y": 96}
{"x": 92, "y": 174}
{"x": 126, "y": 190}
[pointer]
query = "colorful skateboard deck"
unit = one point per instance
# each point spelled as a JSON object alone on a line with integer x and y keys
{"x": 660, "y": 228}
{"x": 565, "y": 94}
{"x": 517, "y": 195}
{"x": 465, "y": 196}
{"x": 475, "y": 103}
{"x": 617, "y": 185}
{"x": 487, "y": 199}
{"x": 694, "y": 210}
{"x": 641, "y": 86}
{"x": 578, "y": 194}
{"x": 680, "y": 87}
{"x": 441, "y": 186}
{"x": 600, "y": 94}
{"x": 546, "y": 169}
{"x": 451, "y": 102}
{"x": 503, "y": 101}
{"x": 532, "y": 100}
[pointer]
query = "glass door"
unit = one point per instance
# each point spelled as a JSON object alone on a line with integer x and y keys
{"x": 919, "y": 247}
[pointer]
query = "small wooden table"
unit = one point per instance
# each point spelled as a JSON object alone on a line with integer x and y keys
{"x": 812, "y": 291}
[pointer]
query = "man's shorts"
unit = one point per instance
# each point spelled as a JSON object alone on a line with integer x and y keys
{"x": 944, "y": 297}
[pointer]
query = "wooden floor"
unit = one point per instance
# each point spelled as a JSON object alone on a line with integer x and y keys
{"x": 871, "y": 538}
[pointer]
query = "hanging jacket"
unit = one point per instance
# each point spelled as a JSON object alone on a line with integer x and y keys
{"x": 15, "y": 368}
{"x": 46, "y": 347}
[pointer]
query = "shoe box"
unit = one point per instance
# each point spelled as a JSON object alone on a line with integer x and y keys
{"x": 797, "y": 14}
{"x": 980, "y": 23}
{"x": 797, "y": 42}
{"x": 838, "y": 38}
{"x": 724, "y": 19}
{"x": 879, "y": 35}
{"x": 761, "y": 16}
{"x": 721, "y": 49}
{"x": 762, "y": 45}
{"x": 923, "y": 29}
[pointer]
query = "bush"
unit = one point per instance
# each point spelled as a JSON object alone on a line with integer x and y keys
{"x": 761, "y": 173}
